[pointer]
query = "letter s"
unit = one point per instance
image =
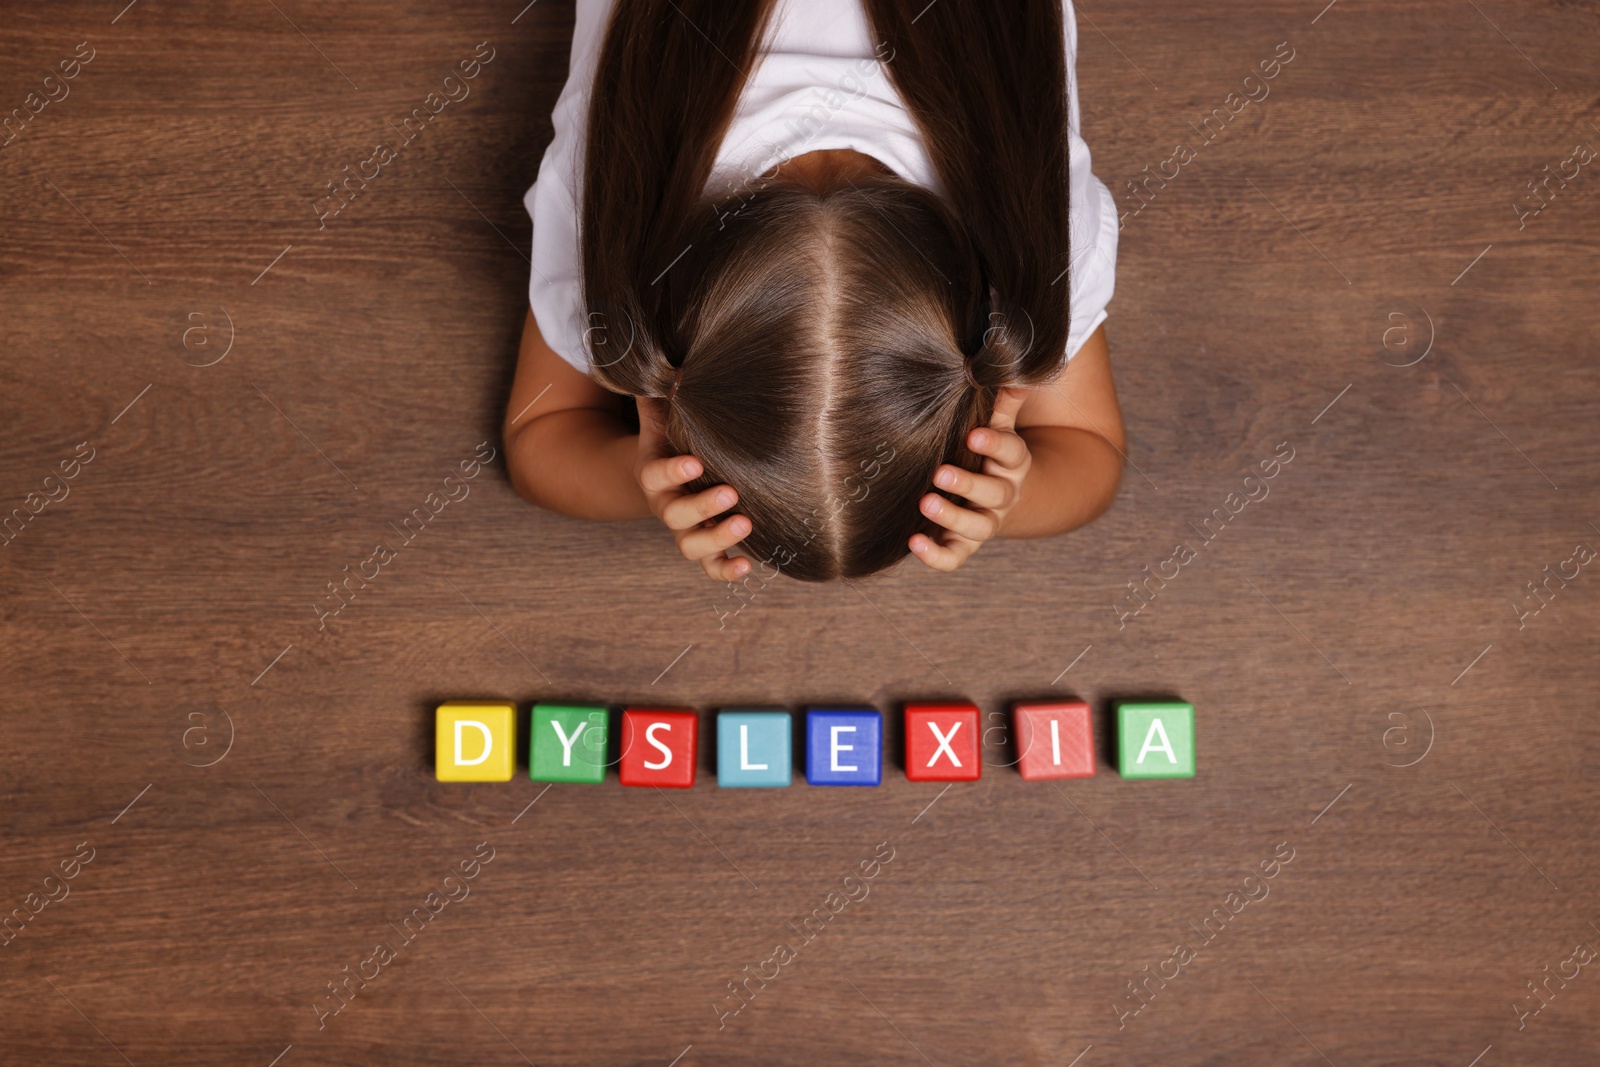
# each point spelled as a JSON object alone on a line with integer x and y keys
{"x": 79, "y": 52}
{"x": 650, "y": 738}
{"x": 478, "y": 51}
{"x": 478, "y": 852}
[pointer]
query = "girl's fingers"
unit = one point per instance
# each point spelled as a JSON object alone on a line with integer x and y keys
{"x": 984, "y": 490}
{"x": 1007, "y": 403}
{"x": 973, "y": 525}
{"x": 687, "y": 512}
{"x": 659, "y": 475}
{"x": 710, "y": 540}
{"x": 724, "y": 568}
{"x": 940, "y": 557}
{"x": 652, "y": 422}
{"x": 1004, "y": 447}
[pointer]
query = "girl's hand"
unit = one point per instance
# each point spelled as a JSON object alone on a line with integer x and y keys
{"x": 994, "y": 492}
{"x": 691, "y": 518}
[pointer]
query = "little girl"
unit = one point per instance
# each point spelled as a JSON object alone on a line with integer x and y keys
{"x": 849, "y": 261}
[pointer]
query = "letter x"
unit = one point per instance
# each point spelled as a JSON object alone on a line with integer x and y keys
{"x": 944, "y": 744}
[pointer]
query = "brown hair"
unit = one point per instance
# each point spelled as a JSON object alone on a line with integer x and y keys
{"x": 823, "y": 350}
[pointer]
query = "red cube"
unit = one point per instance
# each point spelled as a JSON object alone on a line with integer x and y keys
{"x": 658, "y": 747}
{"x": 1055, "y": 740}
{"x": 942, "y": 743}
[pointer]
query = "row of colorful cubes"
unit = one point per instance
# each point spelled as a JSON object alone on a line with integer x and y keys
{"x": 476, "y": 742}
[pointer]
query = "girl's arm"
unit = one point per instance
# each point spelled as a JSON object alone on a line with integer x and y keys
{"x": 569, "y": 449}
{"x": 1052, "y": 462}
{"x": 568, "y": 446}
{"x": 1073, "y": 428}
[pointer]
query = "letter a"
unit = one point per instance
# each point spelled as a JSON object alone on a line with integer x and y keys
{"x": 1165, "y": 745}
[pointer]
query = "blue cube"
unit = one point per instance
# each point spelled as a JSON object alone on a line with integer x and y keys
{"x": 844, "y": 746}
{"x": 753, "y": 748}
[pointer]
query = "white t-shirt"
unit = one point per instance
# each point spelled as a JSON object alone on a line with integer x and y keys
{"x": 818, "y": 85}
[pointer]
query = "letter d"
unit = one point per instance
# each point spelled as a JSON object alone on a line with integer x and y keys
{"x": 488, "y": 742}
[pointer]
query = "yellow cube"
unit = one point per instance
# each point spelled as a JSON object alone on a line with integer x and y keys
{"x": 475, "y": 741}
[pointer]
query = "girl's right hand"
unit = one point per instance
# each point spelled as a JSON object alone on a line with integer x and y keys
{"x": 691, "y": 518}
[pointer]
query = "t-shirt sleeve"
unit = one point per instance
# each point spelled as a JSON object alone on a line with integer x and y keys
{"x": 555, "y": 290}
{"x": 1093, "y": 217}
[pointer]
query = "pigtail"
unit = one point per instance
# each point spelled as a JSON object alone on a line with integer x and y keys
{"x": 986, "y": 84}
{"x": 1008, "y": 342}
{"x": 649, "y": 152}
{"x": 625, "y": 357}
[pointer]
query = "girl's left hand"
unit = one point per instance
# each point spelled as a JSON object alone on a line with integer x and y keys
{"x": 994, "y": 491}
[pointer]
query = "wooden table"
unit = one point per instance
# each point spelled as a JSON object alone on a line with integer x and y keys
{"x": 250, "y": 399}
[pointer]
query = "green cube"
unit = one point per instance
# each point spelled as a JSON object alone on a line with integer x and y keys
{"x": 1155, "y": 740}
{"x": 567, "y": 743}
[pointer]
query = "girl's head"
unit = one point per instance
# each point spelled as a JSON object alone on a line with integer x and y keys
{"x": 824, "y": 351}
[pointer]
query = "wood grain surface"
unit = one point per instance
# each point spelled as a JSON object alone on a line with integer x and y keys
{"x": 263, "y": 398}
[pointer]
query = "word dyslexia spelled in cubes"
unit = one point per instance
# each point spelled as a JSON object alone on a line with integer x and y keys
{"x": 843, "y": 746}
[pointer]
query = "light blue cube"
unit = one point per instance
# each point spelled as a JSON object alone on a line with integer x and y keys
{"x": 753, "y": 748}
